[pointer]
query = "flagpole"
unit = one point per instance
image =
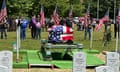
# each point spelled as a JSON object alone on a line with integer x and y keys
{"x": 97, "y": 9}
{"x": 91, "y": 39}
{"x": 80, "y": 7}
{"x": 17, "y": 46}
{"x": 116, "y": 48}
{"x": 18, "y": 41}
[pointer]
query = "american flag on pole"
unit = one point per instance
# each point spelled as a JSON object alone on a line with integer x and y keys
{"x": 70, "y": 11}
{"x": 87, "y": 16}
{"x": 3, "y": 12}
{"x": 101, "y": 21}
{"x": 118, "y": 18}
{"x": 42, "y": 18}
{"x": 106, "y": 17}
{"x": 56, "y": 16}
{"x": 98, "y": 27}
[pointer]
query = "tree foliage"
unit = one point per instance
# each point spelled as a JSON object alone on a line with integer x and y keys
{"x": 32, "y": 7}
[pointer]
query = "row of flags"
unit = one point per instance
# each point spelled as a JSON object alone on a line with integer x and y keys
{"x": 101, "y": 21}
{"x": 55, "y": 15}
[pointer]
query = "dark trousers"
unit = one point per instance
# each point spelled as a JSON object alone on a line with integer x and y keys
{"x": 33, "y": 33}
{"x": 116, "y": 29}
{"x": 23, "y": 33}
{"x": 38, "y": 33}
{"x": 3, "y": 33}
{"x": 87, "y": 31}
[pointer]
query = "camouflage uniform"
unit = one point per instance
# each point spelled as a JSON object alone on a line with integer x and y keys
{"x": 107, "y": 34}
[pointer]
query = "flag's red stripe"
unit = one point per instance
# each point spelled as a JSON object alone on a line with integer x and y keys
{"x": 67, "y": 37}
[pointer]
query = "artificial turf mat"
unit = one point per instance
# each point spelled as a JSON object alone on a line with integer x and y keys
{"x": 35, "y": 57}
{"x": 23, "y": 60}
{"x": 20, "y": 65}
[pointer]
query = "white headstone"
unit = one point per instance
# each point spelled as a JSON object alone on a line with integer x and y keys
{"x": 79, "y": 62}
{"x": 6, "y": 59}
{"x": 3, "y": 69}
{"x": 104, "y": 69}
{"x": 112, "y": 60}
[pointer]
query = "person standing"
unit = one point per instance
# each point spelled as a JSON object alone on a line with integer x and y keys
{"x": 3, "y": 28}
{"x": 38, "y": 30}
{"x": 32, "y": 26}
{"x": 88, "y": 29}
{"x": 23, "y": 26}
{"x": 107, "y": 33}
{"x": 116, "y": 28}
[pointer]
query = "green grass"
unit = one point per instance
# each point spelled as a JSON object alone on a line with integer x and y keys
{"x": 31, "y": 44}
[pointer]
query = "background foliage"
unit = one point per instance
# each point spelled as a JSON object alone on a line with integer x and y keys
{"x": 30, "y": 7}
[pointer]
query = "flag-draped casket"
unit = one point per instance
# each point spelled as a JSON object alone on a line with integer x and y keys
{"x": 59, "y": 33}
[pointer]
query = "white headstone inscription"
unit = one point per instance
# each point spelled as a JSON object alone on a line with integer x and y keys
{"x": 104, "y": 69}
{"x": 79, "y": 62}
{"x": 3, "y": 68}
{"x": 6, "y": 59}
{"x": 112, "y": 60}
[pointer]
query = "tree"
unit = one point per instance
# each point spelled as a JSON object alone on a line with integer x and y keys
{"x": 19, "y": 7}
{"x": 30, "y": 7}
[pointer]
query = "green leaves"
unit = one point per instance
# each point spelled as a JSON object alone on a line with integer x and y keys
{"x": 19, "y": 7}
{"x": 30, "y": 7}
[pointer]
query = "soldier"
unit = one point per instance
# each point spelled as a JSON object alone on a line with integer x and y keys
{"x": 107, "y": 33}
{"x": 3, "y": 28}
{"x": 116, "y": 27}
{"x": 88, "y": 29}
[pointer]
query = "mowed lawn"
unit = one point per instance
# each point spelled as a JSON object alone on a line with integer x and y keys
{"x": 33, "y": 44}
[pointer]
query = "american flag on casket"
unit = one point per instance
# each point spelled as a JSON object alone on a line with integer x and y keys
{"x": 58, "y": 33}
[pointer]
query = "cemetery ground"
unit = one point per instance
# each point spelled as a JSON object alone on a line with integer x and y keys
{"x": 30, "y": 44}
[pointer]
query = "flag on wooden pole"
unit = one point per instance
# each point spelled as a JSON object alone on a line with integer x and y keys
{"x": 101, "y": 21}
{"x": 106, "y": 17}
{"x": 87, "y": 16}
{"x": 56, "y": 16}
{"x": 42, "y": 17}
{"x": 3, "y": 12}
{"x": 118, "y": 18}
{"x": 70, "y": 11}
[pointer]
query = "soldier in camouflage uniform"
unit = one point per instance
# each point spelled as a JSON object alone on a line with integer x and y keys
{"x": 107, "y": 33}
